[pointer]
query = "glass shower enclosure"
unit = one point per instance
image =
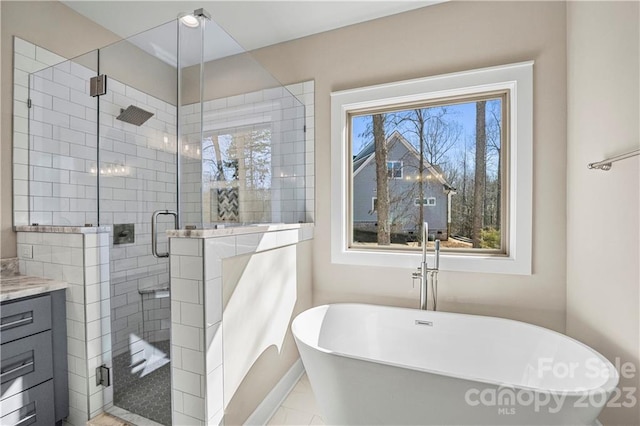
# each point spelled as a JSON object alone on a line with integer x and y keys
{"x": 174, "y": 127}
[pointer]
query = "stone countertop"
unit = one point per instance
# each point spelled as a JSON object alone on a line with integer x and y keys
{"x": 17, "y": 286}
{"x": 236, "y": 230}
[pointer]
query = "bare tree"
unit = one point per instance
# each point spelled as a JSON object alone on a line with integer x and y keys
{"x": 480, "y": 173}
{"x": 434, "y": 134}
{"x": 215, "y": 166}
{"x": 461, "y": 177}
{"x": 419, "y": 119}
{"x": 382, "y": 183}
{"x": 494, "y": 138}
{"x": 441, "y": 134}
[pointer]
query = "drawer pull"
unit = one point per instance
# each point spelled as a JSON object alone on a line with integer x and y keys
{"x": 22, "y": 416}
{"x": 17, "y": 369}
{"x": 24, "y": 318}
{"x": 26, "y": 419}
{"x": 16, "y": 323}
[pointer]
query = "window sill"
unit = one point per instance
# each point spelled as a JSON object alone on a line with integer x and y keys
{"x": 468, "y": 262}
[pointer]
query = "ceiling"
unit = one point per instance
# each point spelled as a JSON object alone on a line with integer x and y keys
{"x": 250, "y": 24}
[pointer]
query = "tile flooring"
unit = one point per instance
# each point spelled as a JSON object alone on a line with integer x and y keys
{"x": 148, "y": 396}
{"x": 300, "y": 407}
{"x": 130, "y": 418}
{"x": 106, "y": 419}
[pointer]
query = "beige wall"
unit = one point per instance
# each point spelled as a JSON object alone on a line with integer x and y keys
{"x": 449, "y": 37}
{"x": 274, "y": 361}
{"x": 127, "y": 63}
{"x": 57, "y": 28}
{"x": 603, "y": 218}
{"x": 230, "y": 76}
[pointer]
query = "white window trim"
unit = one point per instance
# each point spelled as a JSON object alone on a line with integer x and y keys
{"x": 518, "y": 78}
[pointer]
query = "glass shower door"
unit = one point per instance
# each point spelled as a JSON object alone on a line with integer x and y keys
{"x": 137, "y": 176}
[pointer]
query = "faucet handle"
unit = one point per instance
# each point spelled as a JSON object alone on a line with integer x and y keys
{"x": 414, "y": 277}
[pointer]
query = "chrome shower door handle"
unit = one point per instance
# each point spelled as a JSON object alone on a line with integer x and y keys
{"x": 154, "y": 237}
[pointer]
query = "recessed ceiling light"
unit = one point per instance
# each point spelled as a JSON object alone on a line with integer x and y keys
{"x": 190, "y": 21}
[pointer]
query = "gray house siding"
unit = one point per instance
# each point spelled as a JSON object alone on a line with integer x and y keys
{"x": 403, "y": 192}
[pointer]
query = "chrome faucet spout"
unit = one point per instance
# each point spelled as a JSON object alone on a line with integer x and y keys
{"x": 424, "y": 268}
{"x": 424, "y": 272}
{"x": 425, "y": 239}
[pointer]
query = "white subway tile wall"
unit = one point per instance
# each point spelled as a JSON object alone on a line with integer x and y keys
{"x": 62, "y": 186}
{"x": 137, "y": 176}
{"x": 274, "y": 168}
{"x": 191, "y": 166}
{"x": 305, "y": 92}
{"x": 82, "y": 260}
{"x": 156, "y": 308}
{"x": 29, "y": 58}
{"x": 187, "y": 333}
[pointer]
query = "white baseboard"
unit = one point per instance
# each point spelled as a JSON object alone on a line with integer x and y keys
{"x": 276, "y": 397}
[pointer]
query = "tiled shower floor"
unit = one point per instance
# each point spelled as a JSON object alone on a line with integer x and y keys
{"x": 148, "y": 396}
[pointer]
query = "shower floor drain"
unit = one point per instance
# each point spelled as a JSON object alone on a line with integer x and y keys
{"x": 148, "y": 396}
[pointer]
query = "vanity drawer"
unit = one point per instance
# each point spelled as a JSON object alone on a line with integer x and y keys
{"x": 25, "y": 363}
{"x": 31, "y": 407}
{"x": 24, "y": 318}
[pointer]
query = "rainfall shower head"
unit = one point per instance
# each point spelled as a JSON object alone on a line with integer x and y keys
{"x": 134, "y": 115}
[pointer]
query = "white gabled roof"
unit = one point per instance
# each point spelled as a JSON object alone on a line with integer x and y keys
{"x": 370, "y": 155}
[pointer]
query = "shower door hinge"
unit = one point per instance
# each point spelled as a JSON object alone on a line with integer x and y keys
{"x": 98, "y": 85}
{"x": 304, "y": 128}
{"x": 29, "y": 103}
{"x": 103, "y": 376}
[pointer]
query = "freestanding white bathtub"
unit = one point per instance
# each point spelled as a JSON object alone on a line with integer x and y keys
{"x": 381, "y": 365}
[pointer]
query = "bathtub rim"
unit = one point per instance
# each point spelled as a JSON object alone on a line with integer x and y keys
{"x": 607, "y": 387}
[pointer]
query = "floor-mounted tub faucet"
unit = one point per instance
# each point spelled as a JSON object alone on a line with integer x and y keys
{"x": 424, "y": 272}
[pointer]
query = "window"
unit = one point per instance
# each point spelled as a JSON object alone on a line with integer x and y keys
{"x": 394, "y": 169}
{"x": 431, "y": 201}
{"x": 236, "y": 174}
{"x": 464, "y": 144}
{"x": 450, "y": 147}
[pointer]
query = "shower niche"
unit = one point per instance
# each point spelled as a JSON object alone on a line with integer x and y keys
{"x": 188, "y": 122}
